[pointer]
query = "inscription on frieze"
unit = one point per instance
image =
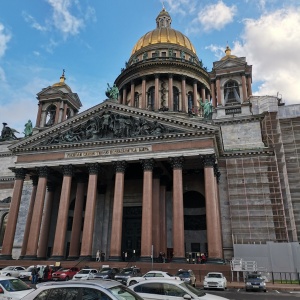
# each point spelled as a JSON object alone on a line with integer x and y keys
{"x": 93, "y": 153}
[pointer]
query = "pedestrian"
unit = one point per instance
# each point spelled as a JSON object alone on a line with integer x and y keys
{"x": 34, "y": 275}
{"x": 102, "y": 256}
{"x": 98, "y": 255}
{"x": 46, "y": 273}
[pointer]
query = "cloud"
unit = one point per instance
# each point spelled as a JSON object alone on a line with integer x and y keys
{"x": 215, "y": 16}
{"x": 272, "y": 45}
{"x": 63, "y": 19}
{"x": 182, "y": 7}
{"x": 34, "y": 24}
{"x": 4, "y": 39}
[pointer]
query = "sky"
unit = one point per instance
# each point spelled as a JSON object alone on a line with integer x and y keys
{"x": 92, "y": 40}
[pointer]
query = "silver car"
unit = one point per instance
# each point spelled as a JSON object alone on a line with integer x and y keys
{"x": 170, "y": 290}
{"x": 85, "y": 290}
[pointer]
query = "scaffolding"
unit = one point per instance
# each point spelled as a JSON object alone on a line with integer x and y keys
{"x": 256, "y": 208}
{"x": 284, "y": 137}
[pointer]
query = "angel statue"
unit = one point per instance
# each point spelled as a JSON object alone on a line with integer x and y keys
{"x": 207, "y": 109}
{"x": 112, "y": 92}
{"x": 8, "y": 133}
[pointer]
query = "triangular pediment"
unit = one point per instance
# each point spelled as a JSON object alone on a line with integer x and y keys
{"x": 48, "y": 91}
{"x": 230, "y": 63}
{"x": 111, "y": 122}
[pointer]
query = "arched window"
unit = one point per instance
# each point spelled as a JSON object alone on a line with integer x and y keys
{"x": 3, "y": 227}
{"x": 231, "y": 93}
{"x": 190, "y": 102}
{"x": 175, "y": 99}
{"x": 136, "y": 99}
{"x": 151, "y": 97}
{"x": 50, "y": 115}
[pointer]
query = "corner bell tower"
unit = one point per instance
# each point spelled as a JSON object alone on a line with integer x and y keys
{"x": 56, "y": 104}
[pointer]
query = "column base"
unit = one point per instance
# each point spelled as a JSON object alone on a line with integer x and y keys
{"x": 30, "y": 257}
{"x": 179, "y": 260}
{"x": 86, "y": 257}
{"x": 115, "y": 258}
{"x": 6, "y": 257}
{"x": 73, "y": 258}
{"x": 145, "y": 259}
{"x": 57, "y": 257}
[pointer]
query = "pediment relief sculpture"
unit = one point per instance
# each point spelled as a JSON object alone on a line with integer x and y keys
{"x": 109, "y": 125}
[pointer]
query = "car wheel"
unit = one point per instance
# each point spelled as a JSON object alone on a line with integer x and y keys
{"x": 194, "y": 285}
{"x": 67, "y": 278}
{"x": 8, "y": 274}
{"x": 265, "y": 291}
{"x": 132, "y": 282}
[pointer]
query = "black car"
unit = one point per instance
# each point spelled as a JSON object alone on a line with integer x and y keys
{"x": 255, "y": 282}
{"x": 126, "y": 273}
{"x": 187, "y": 276}
{"x": 107, "y": 273}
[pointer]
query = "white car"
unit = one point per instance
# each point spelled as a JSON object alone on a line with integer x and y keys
{"x": 12, "y": 271}
{"x": 26, "y": 274}
{"x": 151, "y": 275}
{"x": 215, "y": 280}
{"x": 13, "y": 288}
{"x": 170, "y": 290}
{"x": 85, "y": 274}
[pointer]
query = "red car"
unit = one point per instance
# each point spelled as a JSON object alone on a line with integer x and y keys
{"x": 64, "y": 273}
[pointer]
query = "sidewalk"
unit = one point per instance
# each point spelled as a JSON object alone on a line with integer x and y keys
{"x": 270, "y": 286}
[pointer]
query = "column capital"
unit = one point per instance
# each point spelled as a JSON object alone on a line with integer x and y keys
{"x": 43, "y": 171}
{"x": 217, "y": 173}
{"x": 67, "y": 170}
{"x": 19, "y": 173}
{"x": 147, "y": 164}
{"x": 176, "y": 162}
{"x": 183, "y": 77}
{"x": 170, "y": 75}
{"x": 50, "y": 186}
{"x": 34, "y": 179}
{"x": 208, "y": 160}
{"x": 156, "y": 75}
{"x": 93, "y": 168}
{"x": 120, "y": 166}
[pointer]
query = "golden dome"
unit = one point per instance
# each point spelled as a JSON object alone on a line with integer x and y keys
{"x": 163, "y": 34}
{"x": 61, "y": 83}
{"x": 228, "y": 54}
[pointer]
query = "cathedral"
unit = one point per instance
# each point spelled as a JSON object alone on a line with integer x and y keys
{"x": 177, "y": 160}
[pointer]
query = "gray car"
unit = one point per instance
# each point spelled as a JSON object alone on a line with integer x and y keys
{"x": 85, "y": 290}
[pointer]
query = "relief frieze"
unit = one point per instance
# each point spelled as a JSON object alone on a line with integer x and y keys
{"x": 109, "y": 125}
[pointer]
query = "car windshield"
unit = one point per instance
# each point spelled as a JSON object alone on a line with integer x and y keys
{"x": 63, "y": 270}
{"x": 104, "y": 271}
{"x": 254, "y": 276}
{"x": 213, "y": 275}
{"x": 124, "y": 293}
{"x": 126, "y": 271}
{"x": 14, "y": 285}
{"x": 199, "y": 293}
{"x": 183, "y": 274}
{"x": 84, "y": 271}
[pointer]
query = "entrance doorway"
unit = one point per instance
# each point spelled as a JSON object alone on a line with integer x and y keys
{"x": 131, "y": 235}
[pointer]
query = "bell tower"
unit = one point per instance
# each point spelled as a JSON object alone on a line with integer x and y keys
{"x": 231, "y": 80}
{"x": 56, "y": 104}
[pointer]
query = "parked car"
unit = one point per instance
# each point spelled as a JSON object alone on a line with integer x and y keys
{"x": 171, "y": 290}
{"x": 128, "y": 273}
{"x": 255, "y": 282}
{"x": 26, "y": 274}
{"x": 187, "y": 276}
{"x": 107, "y": 273}
{"x": 85, "y": 274}
{"x": 13, "y": 288}
{"x": 151, "y": 275}
{"x": 215, "y": 280}
{"x": 93, "y": 289}
{"x": 12, "y": 271}
{"x": 64, "y": 273}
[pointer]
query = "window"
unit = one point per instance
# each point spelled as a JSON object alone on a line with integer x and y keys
{"x": 231, "y": 93}
{"x": 151, "y": 96}
{"x": 62, "y": 293}
{"x": 50, "y": 115}
{"x": 92, "y": 294}
{"x": 173, "y": 290}
{"x": 3, "y": 227}
{"x": 175, "y": 99}
{"x": 164, "y": 54}
{"x": 150, "y": 288}
{"x": 42, "y": 295}
{"x": 136, "y": 99}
